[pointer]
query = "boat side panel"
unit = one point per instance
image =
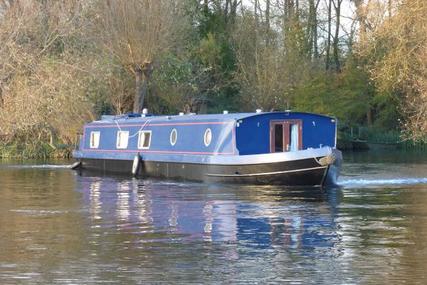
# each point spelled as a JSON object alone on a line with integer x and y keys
{"x": 190, "y": 138}
{"x": 253, "y": 133}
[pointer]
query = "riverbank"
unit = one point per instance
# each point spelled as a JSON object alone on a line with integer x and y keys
{"x": 34, "y": 151}
{"x": 364, "y": 145}
{"x": 364, "y": 138}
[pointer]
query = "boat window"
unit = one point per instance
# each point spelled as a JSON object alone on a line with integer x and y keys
{"x": 278, "y": 138}
{"x": 173, "y": 137}
{"x": 207, "y": 137}
{"x": 285, "y": 135}
{"x": 122, "y": 139}
{"x": 293, "y": 137}
{"x": 144, "y": 139}
{"x": 94, "y": 139}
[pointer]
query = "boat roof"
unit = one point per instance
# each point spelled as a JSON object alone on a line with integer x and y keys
{"x": 193, "y": 117}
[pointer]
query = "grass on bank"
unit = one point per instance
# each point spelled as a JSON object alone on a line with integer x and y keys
{"x": 356, "y": 137}
{"x": 37, "y": 150}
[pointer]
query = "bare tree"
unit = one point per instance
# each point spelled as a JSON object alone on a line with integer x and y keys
{"x": 135, "y": 33}
{"x": 361, "y": 18}
{"x": 329, "y": 35}
{"x": 395, "y": 48}
{"x": 43, "y": 79}
{"x": 312, "y": 27}
{"x": 337, "y": 6}
{"x": 270, "y": 68}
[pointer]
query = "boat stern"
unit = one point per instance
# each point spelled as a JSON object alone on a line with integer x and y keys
{"x": 334, "y": 169}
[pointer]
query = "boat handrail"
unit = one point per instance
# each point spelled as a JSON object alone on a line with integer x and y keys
{"x": 137, "y": 132}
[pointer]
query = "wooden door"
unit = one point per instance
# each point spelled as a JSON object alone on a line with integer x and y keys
{"x": 285, "y": 135}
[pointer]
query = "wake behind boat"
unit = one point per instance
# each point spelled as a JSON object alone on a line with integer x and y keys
{"x": 286, "y": 148}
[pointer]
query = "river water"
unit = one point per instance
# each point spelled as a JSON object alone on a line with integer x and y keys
{"x": 57, "y": 227}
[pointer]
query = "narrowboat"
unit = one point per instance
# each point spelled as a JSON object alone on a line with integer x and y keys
{"x": 286, "y": 148}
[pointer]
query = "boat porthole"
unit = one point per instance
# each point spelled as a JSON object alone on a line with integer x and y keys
{"x": 173, "y": 137}
{"x": 207, "y": 138}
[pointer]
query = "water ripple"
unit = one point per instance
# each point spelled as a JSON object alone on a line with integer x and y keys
{"x": 381, "y": 182}
{"x": 61, "y": 228}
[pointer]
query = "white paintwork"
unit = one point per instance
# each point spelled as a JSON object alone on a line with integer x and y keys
{"x": 268, "y": 157}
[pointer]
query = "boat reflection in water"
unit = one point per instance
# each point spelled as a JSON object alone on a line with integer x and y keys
{"x": 253, "y": 216}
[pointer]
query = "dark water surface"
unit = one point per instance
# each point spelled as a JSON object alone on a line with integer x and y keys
{"x": 57, "y": 227}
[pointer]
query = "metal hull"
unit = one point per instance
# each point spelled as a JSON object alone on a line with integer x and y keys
{"x": 295, "y": 172}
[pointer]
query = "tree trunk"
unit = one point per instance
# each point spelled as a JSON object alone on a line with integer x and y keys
{"x": 361, "y": 18}
{"x": 256, "y": 20}
{"x": 234, "y": 9}
{"x": 337, "y": 34}
{"x": 256, "y": 11}
{"x": 311, "y": 27}
{"x": 297, "y": 10}
{"x": 287, "y": 16}
{"x": 226, "y": 10}
{"x": 267, "y": 22}
{"x": 286, "y": 9}
{"x": 328, "y": 43}
{"x": 142, "y": 79}
{"x": 45, "y": 20}
{"x": 369, "y": 117}
{"x": 315, "y": 34}
{"x": 206, "y": 7}
{"x": 139, "y": 91}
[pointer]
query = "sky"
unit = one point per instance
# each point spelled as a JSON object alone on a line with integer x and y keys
{"x": 347, "y": 8}
{"x": 347, "y": 11}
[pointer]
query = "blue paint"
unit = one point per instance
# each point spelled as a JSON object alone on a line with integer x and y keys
{"x": 232, "y": 134}
{"x": 253, "y": 133}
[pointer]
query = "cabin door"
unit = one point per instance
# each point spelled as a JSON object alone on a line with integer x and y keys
{"x": 285, "y": 135}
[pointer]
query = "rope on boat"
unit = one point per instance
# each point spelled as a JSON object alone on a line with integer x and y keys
{"x": 136, "y": 165}
{"x": 326, "y": 160}
{"x": 135, "y": 134}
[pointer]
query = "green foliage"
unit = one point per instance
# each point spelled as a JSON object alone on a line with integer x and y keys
{"x": 178, "y": 86}
{"x": 333, "y": 94}
{"x": 210, "y": 52}
{"x": 349, "y": 96}
{"x": 214, "y": 54}
{"x": 57, "y": 58}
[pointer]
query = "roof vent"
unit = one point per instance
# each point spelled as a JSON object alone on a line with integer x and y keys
{"x": 145, "y": 111}
{"x": 225, "y": 112}
{"x": 258, "y": 111}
